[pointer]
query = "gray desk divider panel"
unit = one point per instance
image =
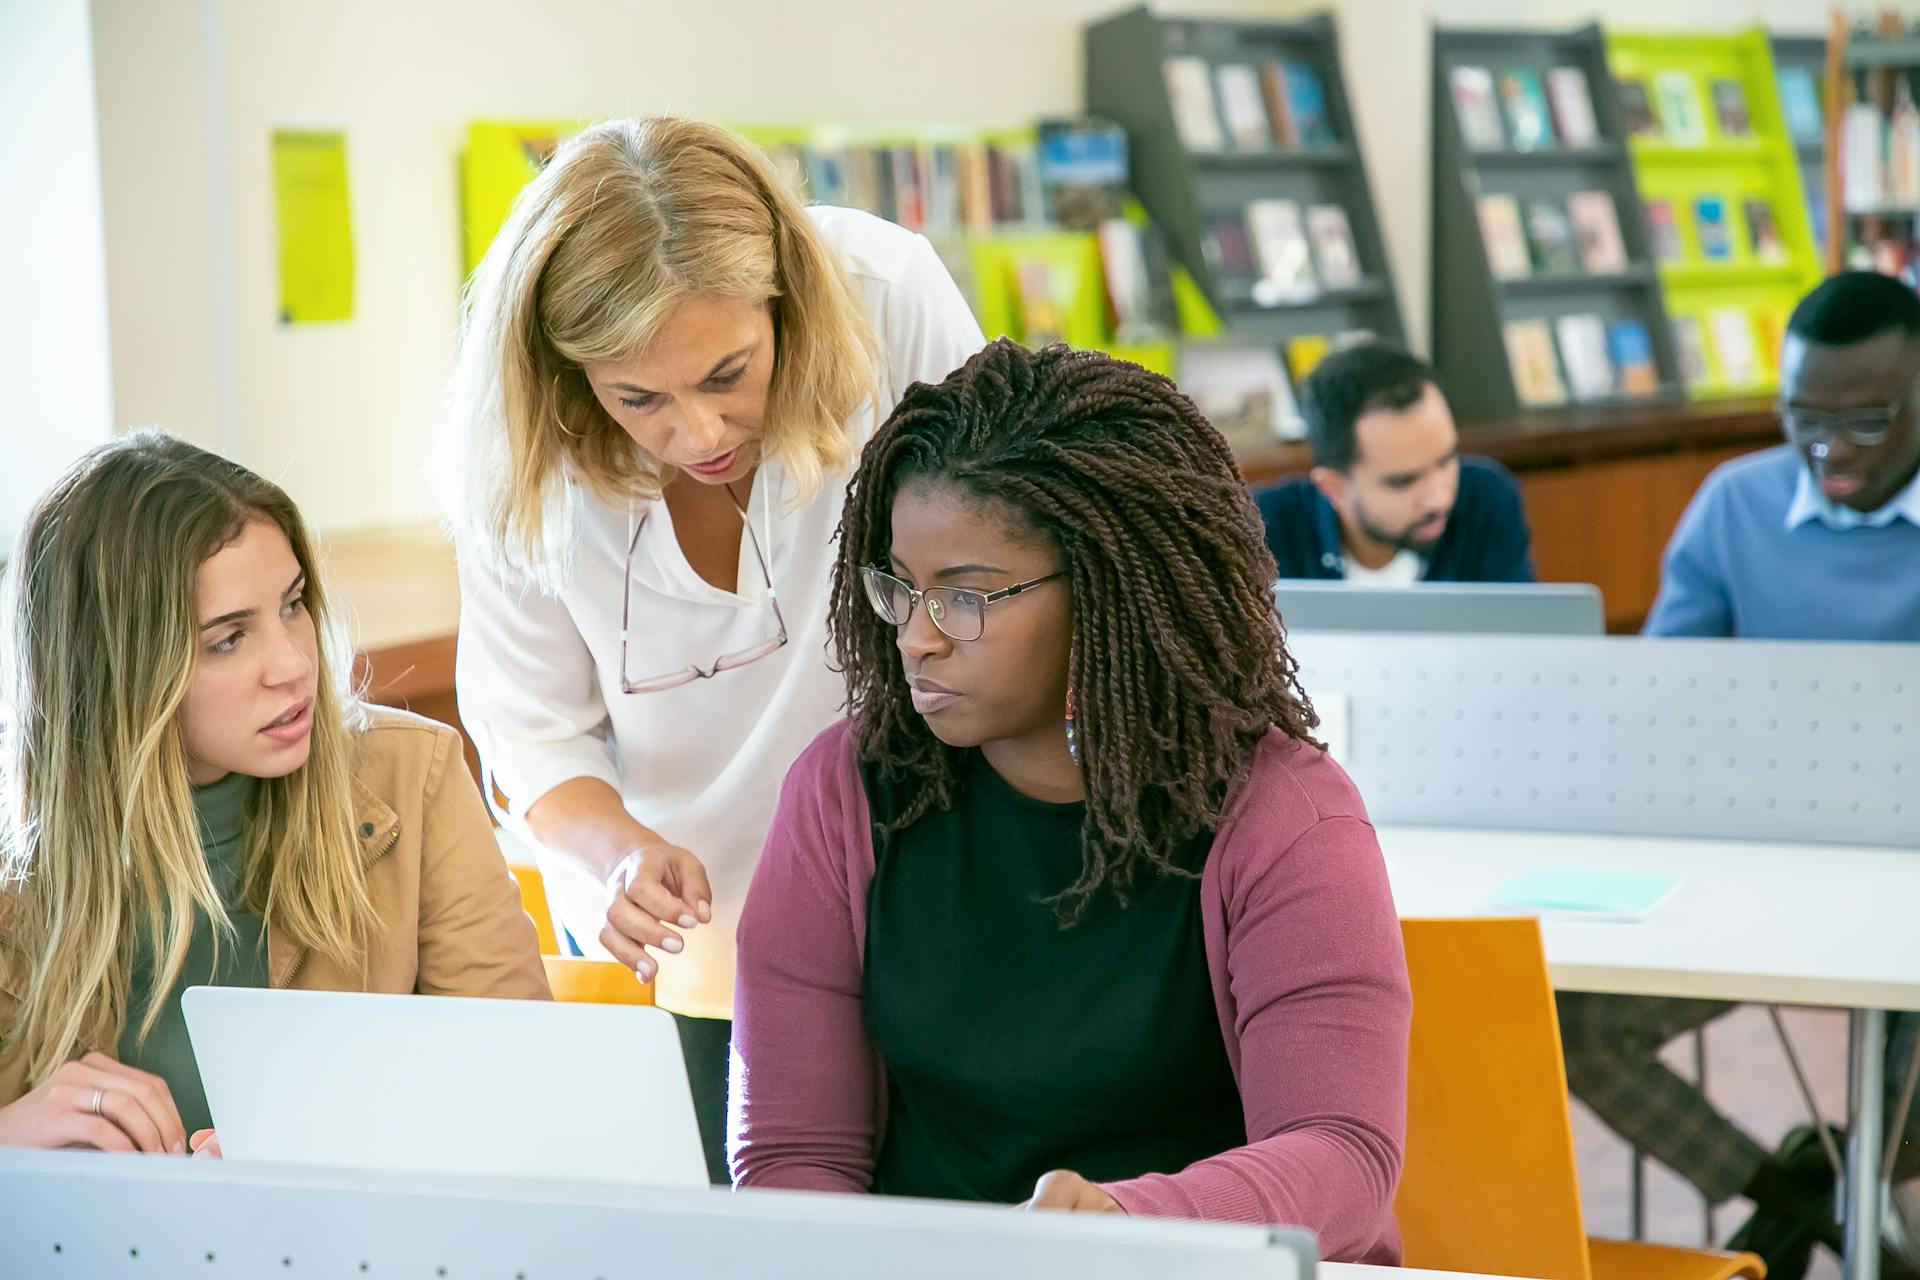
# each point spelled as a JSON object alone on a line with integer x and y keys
{"x": 83, "y": 1216}
{"x": 1711, "y": 739}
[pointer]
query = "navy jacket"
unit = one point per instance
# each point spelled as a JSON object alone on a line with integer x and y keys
{"x": 1486, "y": 538}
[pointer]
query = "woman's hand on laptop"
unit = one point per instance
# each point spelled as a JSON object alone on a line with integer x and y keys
{"x": 205, "y": 1142}
{"x": 1066, "y": 1190}
{"x": 96, "y": 1102}
{"x": 654, "y": 889}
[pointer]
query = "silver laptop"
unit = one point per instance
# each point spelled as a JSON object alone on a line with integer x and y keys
{"x": 1505, "y": 608}
{"x": 508, "y": 1088}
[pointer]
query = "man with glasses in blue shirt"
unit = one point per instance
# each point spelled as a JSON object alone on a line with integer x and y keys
{"x": 1816, "y": 539}
{"x": 1819, "y": 538}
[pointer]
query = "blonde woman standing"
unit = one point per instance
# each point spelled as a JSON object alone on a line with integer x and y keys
{"x": 193, "y": 795}
{"x": 667, "y": 369}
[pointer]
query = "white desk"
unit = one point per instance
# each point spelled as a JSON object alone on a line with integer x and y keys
{"x": 1778, "y": 923}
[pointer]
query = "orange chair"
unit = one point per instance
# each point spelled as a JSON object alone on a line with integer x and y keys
{"x": 595, "y": 981}
{"x": 1490, "y": 1184}
{"x": 533, "y": 900}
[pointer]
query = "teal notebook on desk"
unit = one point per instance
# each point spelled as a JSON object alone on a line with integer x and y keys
{"x": 1583, "y": 893}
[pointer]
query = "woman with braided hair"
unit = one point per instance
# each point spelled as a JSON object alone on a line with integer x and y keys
{"x": 1071, "y": 910}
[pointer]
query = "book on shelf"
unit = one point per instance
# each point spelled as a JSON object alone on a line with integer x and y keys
{"x": 1730, "y": 108}
{"x": 1082, "y": 166}
{"x": 1890, "y": 256}
{"x": 1013, "y": 180}
{"x": 1229, "y": 251}
{"x": 1768, "y": 329}
{"x": 1550, "y": 239}
{"x": 1139, "y": 283}
{"x": 976, "y": 188}
{"x": 1529, "y": 123}
{"x": 1583, "y": 349}
{"x": 1863, "y": 158}
{"x": 1242, "y": 108}
{"x": 1596, "y": 226}
{"x": 1280, "y": 247}
{"x": 1045, "y": 292}
{"x": 1504, "y": 238}
{"x": 1731, "y": 329}
{"x": 1681, "y": 119}
{"x": 1800, "y": 104}
{"x": 940, "y": 186}
{"x": 826, "y": 174}
{"x": 1763, "y": 233}
{"x": 1536, "y": 369}
{"x": 1572, "y": 99}
{"x": 1476, "y": 108}
{"x": 1663, "y": 229}
{"x": 909, "y": 199}
{"x": 1631, "y": 347}
{"x": 1243, "y": 392}
{"x": 1305, "y": 353}
{"x": 1690, "y": 350}
{"x": 1636, "y": 108}
{"x": 1334, "y": 255}
{"x": 1710, "y": 228}
{"x": 1273, "y": 91}
{"x": 1025, "y": 159}
{"x": 1306, "y": 105}
{"x": 944, "y": 212}
{"x": 1902, "y": 183}
{"x": 1190, "y": 88}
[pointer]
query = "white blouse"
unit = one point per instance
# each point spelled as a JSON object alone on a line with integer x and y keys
{"x": 538, "y": 676}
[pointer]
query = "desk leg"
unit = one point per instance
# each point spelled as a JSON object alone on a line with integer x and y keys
{"x": 1866, "y": 1062}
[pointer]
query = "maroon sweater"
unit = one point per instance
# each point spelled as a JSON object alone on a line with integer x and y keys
{"x": 1309, "y": 980}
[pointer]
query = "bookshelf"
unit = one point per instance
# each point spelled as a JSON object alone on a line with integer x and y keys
{"x": 1878, "y": 224}
{"x": 1199, "y": 194}
{"x": 977, "y": 195}
{"x": 1489, "y": 316}
{"x": 1720, "y": 178}
{"x": 1800, "y": 68}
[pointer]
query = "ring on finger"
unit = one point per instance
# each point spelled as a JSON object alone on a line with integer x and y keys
{"x": 99, "y": 1096}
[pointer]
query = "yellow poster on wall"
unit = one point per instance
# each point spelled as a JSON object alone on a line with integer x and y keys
{"x": 315, "y": 226}
{"x": 500, "y": 158}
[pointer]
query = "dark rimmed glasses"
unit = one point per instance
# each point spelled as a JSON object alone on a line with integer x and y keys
{"x": 726, "y": 661}
{"x": 959, "y": 612}
{"x": 1864, "y": 428}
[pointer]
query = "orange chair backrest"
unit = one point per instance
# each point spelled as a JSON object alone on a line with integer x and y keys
{"x": 1490, "y": 1184}
{"x": 533, "y": 900}
{"x": 595, "y": 981}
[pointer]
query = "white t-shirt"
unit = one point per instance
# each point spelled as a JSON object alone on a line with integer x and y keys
{"x": 538, "y": 676}
{"x": 1402, "y": 571}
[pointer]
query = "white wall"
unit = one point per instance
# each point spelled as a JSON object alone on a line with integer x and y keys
{"x": 338, "y": 411}
{"x": 53, "y": 302}
{"x": 189, "y": 91}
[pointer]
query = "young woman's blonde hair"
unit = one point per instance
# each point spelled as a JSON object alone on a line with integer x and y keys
{"x": 99, "y": 843}
{"x": 628, "y": 219}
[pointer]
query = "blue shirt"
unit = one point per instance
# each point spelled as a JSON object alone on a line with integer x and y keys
{"x": 1762, "y": 553}
{"x": 1486, "y": 538}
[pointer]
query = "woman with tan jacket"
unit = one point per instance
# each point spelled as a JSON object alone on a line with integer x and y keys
{"x": 193, "y": 795}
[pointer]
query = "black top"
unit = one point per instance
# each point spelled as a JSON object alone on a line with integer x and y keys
{"x": 1012, "y": 1046}
{"x": 1486, "y": 538}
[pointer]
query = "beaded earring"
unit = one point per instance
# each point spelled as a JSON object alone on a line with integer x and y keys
{"x": 1073, "y": 739}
